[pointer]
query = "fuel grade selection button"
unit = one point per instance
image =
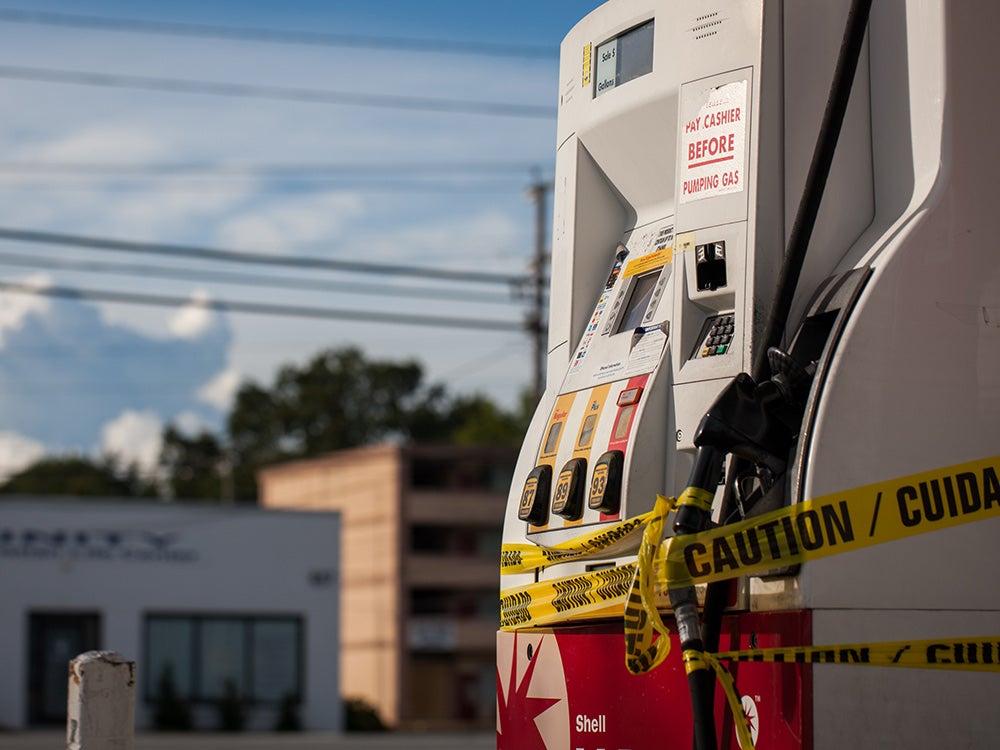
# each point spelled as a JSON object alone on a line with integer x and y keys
{"x": 534, "y": 505}
{"x": 606, "y": 484}
{"x": 568, "y": 499}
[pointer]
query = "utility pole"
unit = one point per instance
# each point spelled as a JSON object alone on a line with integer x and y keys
{"x": 537, "y": 324}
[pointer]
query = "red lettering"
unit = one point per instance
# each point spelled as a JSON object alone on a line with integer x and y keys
{"x": 709, "y": 147}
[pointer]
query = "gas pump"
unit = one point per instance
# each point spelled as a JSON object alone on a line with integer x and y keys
{"x": 687, "y": 137}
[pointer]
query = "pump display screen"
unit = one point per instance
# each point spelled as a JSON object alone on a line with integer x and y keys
{"x": 642, "y": 292}
{"x": 625, "y": 57}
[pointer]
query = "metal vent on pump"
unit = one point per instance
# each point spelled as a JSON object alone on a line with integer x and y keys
{"x": 707, "y": 25}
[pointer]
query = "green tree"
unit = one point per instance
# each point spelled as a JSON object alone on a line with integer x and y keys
{"x": 475, "y": 420}
{"x": 74, "y": 475}
{"x": 338, "y": 399}
{"x": 193, "y": 467}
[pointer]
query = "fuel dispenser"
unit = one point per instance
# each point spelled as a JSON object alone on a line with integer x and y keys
{"x": 772, "y": 281}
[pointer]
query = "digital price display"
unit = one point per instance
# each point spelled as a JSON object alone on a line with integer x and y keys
{"x": 625, "y": 57}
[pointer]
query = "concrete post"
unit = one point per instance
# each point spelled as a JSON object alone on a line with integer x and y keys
{"x": 101, "y": 710}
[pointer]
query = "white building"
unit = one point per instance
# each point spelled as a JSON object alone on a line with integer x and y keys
{"x": 219, "y": 594}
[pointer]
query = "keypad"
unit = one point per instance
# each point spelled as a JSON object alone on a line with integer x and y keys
{"x": 719, "y": 337}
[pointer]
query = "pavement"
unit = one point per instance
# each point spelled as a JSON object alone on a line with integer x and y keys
{"x": 269, "y": 741}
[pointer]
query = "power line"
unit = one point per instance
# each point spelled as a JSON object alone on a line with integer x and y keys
{"x": 482, "y": 361}
{"x": 239, "y": 256}
{"x": 289, "y": 36}
{"x": 257, "y": 308}
{"x": 308, "y": 187}
{"x": 444, "y": 177}
{"x": 279, "y": 93}
{"x": 243, "y": 279}
{"x": 299, "y": 187}
{"x": 264, "y": 169}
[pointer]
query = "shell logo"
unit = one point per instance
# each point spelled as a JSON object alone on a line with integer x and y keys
{"x": 532, "y": 701}
{"x": 753, "y": 716}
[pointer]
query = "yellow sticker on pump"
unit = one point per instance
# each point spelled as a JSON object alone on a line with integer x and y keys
{"x": 649, "y": 262}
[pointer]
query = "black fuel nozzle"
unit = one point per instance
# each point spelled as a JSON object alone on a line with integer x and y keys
{"x": 759, "y": 421}
{"x": 791, "y": 378}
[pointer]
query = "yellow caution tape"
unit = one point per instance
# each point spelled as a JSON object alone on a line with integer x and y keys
{"x": 642, "y": 615}
{"x": 841, "y": 522}
{"x": 597, "y": 593}
{"x": 811, "y": 530}
{"x": 976, "y": 654}
{"x": 845, "y": 521}
{"x": 699, "y": 498}
{"x": 697, "y": 660}
{"x": 606, "y": 541}
{"x": 823, "y": 527}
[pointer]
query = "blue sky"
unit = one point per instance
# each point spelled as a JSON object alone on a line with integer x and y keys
{"x": 424, "y": 188}
{"x": 543, "y": 23}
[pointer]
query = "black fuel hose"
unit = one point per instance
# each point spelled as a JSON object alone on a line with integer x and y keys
{"x": 791, "y": 269}
{"x": 694, "y": 515}
{"x": 819, "y": 172}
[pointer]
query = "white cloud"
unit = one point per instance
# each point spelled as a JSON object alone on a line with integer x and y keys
{"x": 221, "y": 389}
{"x": 15, "y": 307}
{"x": 66, "y": 375}
{"x": 103, "y": 142}
{"x": 190, "y": 423}
{"x": 171, "y": 210}
{"x": 134, "y": 437}
{"x": 17, "y": 452}
{"x": 281, "y": 225}
{"x": 194, "y": 318}
{"x": 484, "y": 240}
{"x": 487, "y": 229}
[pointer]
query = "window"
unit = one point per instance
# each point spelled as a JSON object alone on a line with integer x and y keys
{"x": 275, "y": 659}
{"x": 456, "y": 541}
{"x": 483, "y": 605}
{"x": 169, "y": 644}
{"x": 260, "y": 656}
{"x": 222, "y": 649}
{"x": 458, "y": 472}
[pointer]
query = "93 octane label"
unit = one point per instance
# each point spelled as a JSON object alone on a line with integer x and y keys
{"x": 598, "y": 485}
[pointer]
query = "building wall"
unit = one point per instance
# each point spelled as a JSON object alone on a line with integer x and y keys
{"x": 441, "y": 507}
{"x": 128, "y": 560}
{"x": 363, "y": 485}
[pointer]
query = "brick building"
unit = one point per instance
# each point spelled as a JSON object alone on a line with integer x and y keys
{"x": 421, "y": 529}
